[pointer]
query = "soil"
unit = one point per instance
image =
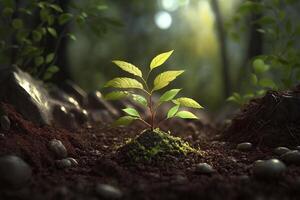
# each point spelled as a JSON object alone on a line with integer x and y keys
{"x": 164, "y": 177}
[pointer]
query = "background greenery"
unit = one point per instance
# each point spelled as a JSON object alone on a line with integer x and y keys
{"x": 215, "y": 41}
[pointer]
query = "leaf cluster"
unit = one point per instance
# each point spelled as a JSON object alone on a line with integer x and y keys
{"x": 28, "y": 27}
{"x": 128, "y": 87}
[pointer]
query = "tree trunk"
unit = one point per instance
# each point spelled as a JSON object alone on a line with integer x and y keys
{"x": 223, "y": 49}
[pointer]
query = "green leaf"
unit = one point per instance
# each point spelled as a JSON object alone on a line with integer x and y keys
{"x": 169, "y": 95}
{"x": 125, "y": 120}
{"x": 160, "y": 59}
{"x": 39, "y": 60}
{"x": 56, "y": 8}
{"x": 132, "y": 112}
{"x": 72, "y": 36}
{"x": 128, "y": 67}
{"x": 7, "y": 12}
{"x": 172, "y": 111}
{"x": 36, "y": 35}
{"x": 124, "y": 82}
{"x": 52, "y": 31}
{"x": 64, "y": 18}
{"x": 140, "y": 99}
{"x": 187, "y": 102}
{"x": 186, "y": 115}
{"x": 116, "y": 95}
{"x": 268, "y": 83}
{"x": 17, "y": 23}
{"x": 253, "y": 79}
{"x": 50, "y": 57}
{"x": 163, "y": 79}
{"x": 266, "y": 20}
{"x": 259, "y": 66}
{"x": 50, "y": 72}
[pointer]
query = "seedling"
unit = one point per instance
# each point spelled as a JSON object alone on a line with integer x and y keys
{"x": 127, "y": 87}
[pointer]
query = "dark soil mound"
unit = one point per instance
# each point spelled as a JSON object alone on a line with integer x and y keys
{"x": 272, "y": 120}
{"x": 169, "y": 177}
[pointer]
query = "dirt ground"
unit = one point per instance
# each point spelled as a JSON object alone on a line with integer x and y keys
{"x": 168, "y": 177}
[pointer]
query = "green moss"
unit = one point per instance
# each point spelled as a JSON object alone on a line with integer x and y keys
{"x": 150, "y": 144}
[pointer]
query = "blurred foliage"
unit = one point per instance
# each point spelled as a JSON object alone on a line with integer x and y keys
{"x": 279, "y": 67}
{"x": 32, "y": 31}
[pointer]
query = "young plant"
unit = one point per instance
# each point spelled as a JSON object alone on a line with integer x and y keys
{"x": 127, "y": 87}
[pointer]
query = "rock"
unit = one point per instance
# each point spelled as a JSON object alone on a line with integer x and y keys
{"x": 73, "y": 161}
{"x": 297, "y": 148}
{"x": 43, "y": 105}
{"x": 63, "y": 163}
{"x": 96, "y": 102}
{"x": 101, "y": 116}
{"x": 269, "y": 169}
{"x": 75, "y": 91}
{"x": 5, "y": 123}
{"x": 58, "y": 149}
{"x": 14, "y": 172}
{"x": 63, "y": 118}
{"x": 108, "y": 192}
{"x": 2, "y": 136}
{"x": 281, "y": 150}
{"x": 180, "y": 179}
{"x": 26, "y": 91}
{"x": 291, "y": 157}
{"x": 245, "y": 146}
{"x": 204, "y": 168}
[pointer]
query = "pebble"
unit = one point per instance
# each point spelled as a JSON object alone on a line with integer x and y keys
{"x": 204, "y": 168}
{"x": 281, "y": 150}
{"x": 108, "y": 192}
{"x": 2, "y": 136}
{"x": 5, "y": 123}
{"x": 73, "y": 161}
{"x": 14, "y": 171}
{"x": 245, "y": 146}
{"x": 291, "y": 157}
{"x": 63, "y": 164}
{"x": 269, "y": 169}
{"x": 57, "y": 147}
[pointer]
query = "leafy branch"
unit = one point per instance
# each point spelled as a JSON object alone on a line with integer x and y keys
{"x": 126, "y": 87}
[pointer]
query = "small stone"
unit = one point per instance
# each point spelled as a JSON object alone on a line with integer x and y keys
{"x": 245, "y": 146}
{"x": 5, "y": 123}
{"x": 2, "y": 136}
{"x": 14, "y": 171}
{"x": 64, "y": 163}
{"x": 108, "y": 192}
{"x": 73, "y": 161}
{"x": 281, "y": 150}
{"x": 180, "y": 179}
{"x": 57, "y": 147}
{"x": 269, "y": 169}
{"x": 204, "y": 168}
{"x": 291, "y": 157}
{"x": 297, "y": 148}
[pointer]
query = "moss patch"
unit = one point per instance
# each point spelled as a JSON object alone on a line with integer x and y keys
{"x": 150, "y": 144}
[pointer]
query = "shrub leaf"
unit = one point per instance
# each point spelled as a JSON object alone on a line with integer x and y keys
{"x": 123, "y": 82}
{"x": 163, "y": 79}
{"x": 139, "y": 99}
{"x": 128, "y": 67}
{"x": 160, "y": 59}
{"x": 169, "y": 95}
{"x": 172, "y": 111}
{"x": 116, "y": 95}
{"x": 187, "y": 102}
{"x": 132, "y": 112}
{"x": 124, "y": 121}
{"x": 186, "y": 115}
